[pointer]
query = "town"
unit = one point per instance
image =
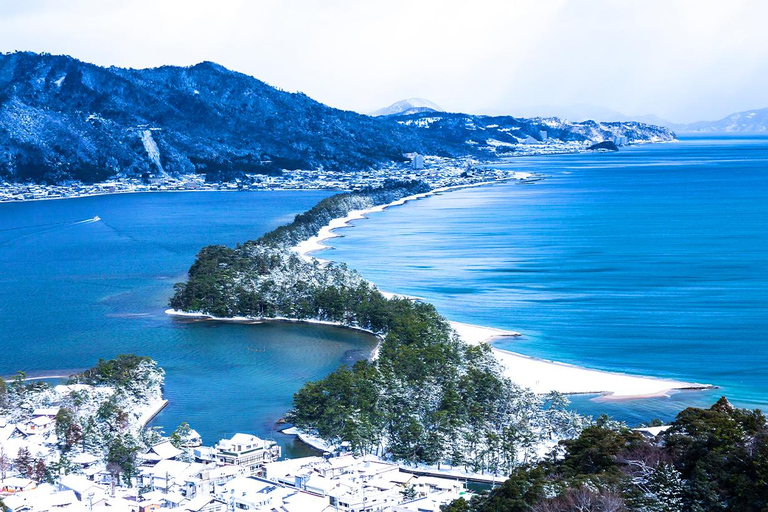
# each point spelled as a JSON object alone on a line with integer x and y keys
{"x": 436, "y": 171}
{"x": 84, "y": 445}
{"x": 241, "y": 473}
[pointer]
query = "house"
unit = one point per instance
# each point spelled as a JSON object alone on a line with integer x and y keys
{"x": 431, "y": 502}
{"x": 43, "y": 499}
{"x": 417, "y": 162}
{"x": 39, "y": 425}
{"x": 253, "y": 493}
{"x": 170, "y": 474}
{"x": 16, "y": 484}
{"x": 161, "y": 451}
{"x": 193, "y": 440}
{"x": 81, "y": 486}
{"x": 204, "y": 504}
{"x": 248, "y": 451}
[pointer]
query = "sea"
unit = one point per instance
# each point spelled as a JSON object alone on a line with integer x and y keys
{"x": 651, "y": 261}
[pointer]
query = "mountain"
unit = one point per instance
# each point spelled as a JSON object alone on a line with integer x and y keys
{"x": 406, "y": 107}
{"x": 586, "y": 112}
{"x": 750, "y": 121}
{"x": 63, "y": 119}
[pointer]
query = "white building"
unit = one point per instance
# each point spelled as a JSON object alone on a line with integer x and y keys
{"x": 248, "y": 451}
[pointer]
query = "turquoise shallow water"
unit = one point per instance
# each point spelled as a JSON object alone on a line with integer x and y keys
{"x": 652, "y": 260}
{"x": 72, "y": 292}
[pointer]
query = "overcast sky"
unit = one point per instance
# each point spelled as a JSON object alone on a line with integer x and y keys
{"x": 682, "y": 60}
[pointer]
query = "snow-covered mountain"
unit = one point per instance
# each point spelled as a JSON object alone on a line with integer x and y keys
{"x": 750, "y": 121}
{"x": 409, "y": 106}
{"x": 63, "y": 119}
{"x": 587, "y": 112}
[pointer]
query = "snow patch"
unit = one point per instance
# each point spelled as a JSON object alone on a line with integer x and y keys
{"x": 152, "y": 150}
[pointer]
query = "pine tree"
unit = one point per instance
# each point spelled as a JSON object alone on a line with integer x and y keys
{"x": 23, "y": 462}
{"x": 666, "y": 486}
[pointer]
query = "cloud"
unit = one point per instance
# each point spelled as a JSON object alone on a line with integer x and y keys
{"x": 685, "y": 60}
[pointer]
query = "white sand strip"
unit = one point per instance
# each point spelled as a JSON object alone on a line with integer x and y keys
{"x": 543, "y": 376}
{"x": 476, "y": 334}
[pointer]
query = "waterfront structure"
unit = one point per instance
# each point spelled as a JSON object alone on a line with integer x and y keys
{"x": 247, "y": 451}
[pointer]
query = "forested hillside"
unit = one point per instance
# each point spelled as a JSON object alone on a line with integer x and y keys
{"x": 708, "y": 460}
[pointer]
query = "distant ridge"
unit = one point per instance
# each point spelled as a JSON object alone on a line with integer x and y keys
{"x": 406, "y": 107}
{"x": 749, "y": 121}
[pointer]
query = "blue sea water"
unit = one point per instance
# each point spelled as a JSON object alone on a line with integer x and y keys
{"x": 651, "y": 261}
{"x": 72, "y": 292}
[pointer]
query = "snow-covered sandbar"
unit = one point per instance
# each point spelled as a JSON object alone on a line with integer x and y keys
{"x": 539, "y": 375}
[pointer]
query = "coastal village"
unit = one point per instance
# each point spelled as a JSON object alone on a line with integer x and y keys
{"x": 240, "y": 473}
{"x": 84, "y": 445}
{"x": 434, "y": 170}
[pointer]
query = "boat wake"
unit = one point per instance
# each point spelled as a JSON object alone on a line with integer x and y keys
{"x": 88, "y": 221}
{"x": 46, "y": 228}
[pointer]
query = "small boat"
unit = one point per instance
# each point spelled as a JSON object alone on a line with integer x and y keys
{"x": 96, "y": 219}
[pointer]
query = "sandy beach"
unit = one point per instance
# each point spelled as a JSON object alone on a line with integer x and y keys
{"x": 542, "y": 376}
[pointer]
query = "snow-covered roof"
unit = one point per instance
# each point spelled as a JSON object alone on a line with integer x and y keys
{"x": 162, "y": 451}
{"x": 243, "y": 442}
{"x": 174, "y": 469}
{"x": 653, "y": 431}
{"x": 41, "y": 421}
{"x": 16, "y": 482}
{"x": 80, "y": 484}
{"x": 46, "y": 411}
{"x": 198, "y": 502}
{"x": 84, "y": 458}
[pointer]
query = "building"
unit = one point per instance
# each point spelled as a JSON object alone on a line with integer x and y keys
{"x": 253, "y": 493}
{"x": 248, "y": 451}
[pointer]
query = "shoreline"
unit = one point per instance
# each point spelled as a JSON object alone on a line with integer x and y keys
{"x": 203, "y": 317}
{"x": 124, "y": 192}
{"x": 543, "y": 375}
{"x": 327, "y": 232}
{"x": 539, "y": 375}
{"x": 151, "y": 413}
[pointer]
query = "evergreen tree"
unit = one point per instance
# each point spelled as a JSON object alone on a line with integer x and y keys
{"x": 23, "y": 462}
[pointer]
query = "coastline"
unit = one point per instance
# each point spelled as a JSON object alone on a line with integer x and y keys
{"x": 543, "y": 376}
{"x": 540, "y": 375}
{"x": 315, "y": 243}
{"x": 202, "y": 317}
{"x": 172, "y": 191}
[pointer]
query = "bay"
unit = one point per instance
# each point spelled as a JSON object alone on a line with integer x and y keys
{"x": 74, "y": 290}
